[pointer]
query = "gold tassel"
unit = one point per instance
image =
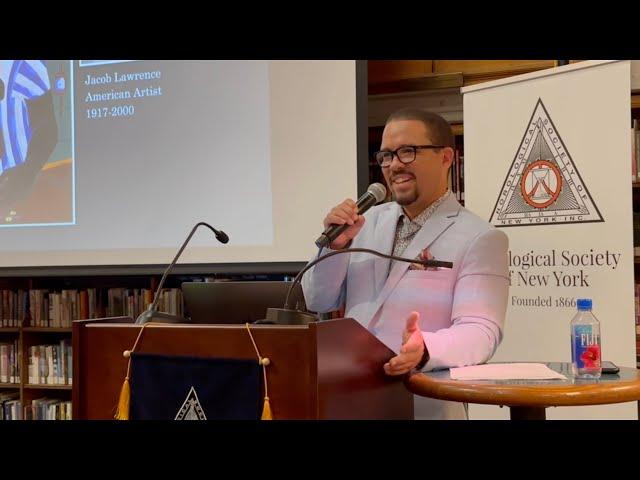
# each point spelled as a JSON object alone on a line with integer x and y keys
{"x": 123, "y": 405}
{"x": 266, "y": 410}
{"x": 264, "y": 361}
{"x": 122, "y": 411}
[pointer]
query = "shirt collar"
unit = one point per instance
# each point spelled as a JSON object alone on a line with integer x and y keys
{"x": 423, "y": 216}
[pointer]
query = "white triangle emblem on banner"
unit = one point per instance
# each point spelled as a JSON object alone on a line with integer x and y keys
{"x": 191, "y": 408}
{"x": 543, "y": 186}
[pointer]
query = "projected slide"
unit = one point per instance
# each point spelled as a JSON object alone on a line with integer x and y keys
{"x": 128, "y": 154}
{"x": 113, "y": 162}
{"x": 36, "y": 143}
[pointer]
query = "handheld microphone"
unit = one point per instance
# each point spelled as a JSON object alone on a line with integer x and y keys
{"x": 374, "y": 194}
{"x": 290, "y": 316}
{"x": 152, "y": 313}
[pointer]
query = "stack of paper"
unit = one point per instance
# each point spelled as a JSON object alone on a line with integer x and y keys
{"x": 506, "y": 371}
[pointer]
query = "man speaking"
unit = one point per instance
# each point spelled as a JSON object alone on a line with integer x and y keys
{"x": 431, "y": 318}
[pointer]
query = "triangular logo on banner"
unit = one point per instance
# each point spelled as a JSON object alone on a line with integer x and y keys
{"x": 543, "y": 186}
{"x": 191, "y": 408}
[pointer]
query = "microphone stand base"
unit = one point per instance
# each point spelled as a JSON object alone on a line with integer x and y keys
{"x": 284, "y": 316}
{"x": 159, "y": 317}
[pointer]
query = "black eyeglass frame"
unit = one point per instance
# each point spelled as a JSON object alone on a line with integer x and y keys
{"x": 396, "y": 153}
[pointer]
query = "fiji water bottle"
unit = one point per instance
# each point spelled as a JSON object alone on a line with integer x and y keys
{"x": 585, "y": 342}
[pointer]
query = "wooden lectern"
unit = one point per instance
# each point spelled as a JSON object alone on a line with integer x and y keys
{"x": 325, "y": 370}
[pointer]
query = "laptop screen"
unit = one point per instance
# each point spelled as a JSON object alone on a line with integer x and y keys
{"x": 236, "y": 302}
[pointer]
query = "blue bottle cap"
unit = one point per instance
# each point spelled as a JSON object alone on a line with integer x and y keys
{"x": 584, "y": 304}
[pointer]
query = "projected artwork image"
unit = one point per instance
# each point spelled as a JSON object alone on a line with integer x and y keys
{"x": 36, "y": 143}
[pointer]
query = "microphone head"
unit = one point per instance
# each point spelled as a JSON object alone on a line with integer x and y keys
{"x": 378, "y": 190}
{"x": 222, "y": 237}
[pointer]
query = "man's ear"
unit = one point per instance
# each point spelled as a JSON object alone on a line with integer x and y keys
{"x": 447, "y": 157}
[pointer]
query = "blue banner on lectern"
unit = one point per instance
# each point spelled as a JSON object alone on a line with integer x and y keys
{"x": 191, "y": 388}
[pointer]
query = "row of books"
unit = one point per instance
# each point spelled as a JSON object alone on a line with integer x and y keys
{"x": 13, "y": 305}
{"x": 40, "y": 408}
{"x": 48, "y": 409}
{"x": 635, "y": 151}
{"x": 9, "y": 362}
{"x": 637, "y": 318}
{"x": 636, "y": 300}
{"x": 51, "y": 364}
{"x": 10, "y": 406}
{"x": 48, "y": 364}
{"x": 45, "y": 308}
{"x": 456, "y": 176}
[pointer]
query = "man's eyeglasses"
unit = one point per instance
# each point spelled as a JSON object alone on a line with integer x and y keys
{"x": 406, "y": 154}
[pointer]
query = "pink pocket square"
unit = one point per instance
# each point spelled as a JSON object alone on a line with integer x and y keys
{"x": 424, "y": 255}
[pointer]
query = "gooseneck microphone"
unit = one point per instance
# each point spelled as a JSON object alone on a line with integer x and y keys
{"x": 152, "y": 313}
{"x": 289, "y": 316}
{"x": 374, "y": 194}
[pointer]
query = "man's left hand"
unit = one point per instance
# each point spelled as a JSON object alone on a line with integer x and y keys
{"x": 411, "y": 351}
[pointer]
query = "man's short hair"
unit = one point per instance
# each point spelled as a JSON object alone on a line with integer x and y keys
{"x": 437, "y": 127}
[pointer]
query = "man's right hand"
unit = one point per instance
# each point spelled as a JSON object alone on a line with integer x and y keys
{"x": 345, "y": 213}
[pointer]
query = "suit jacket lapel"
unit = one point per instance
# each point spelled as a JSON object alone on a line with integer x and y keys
{"x": 384, "y": 235}
{"x": 436, "y": 225}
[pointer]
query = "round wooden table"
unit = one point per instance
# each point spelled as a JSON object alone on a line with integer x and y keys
{"x": 527, "y": 399}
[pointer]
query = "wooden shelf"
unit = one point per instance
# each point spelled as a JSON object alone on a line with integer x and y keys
{"x": 9, "y": 330}
{"x": 47, "y": 329}
{"x": 33, "y": 386}
{"x": 10, "y": 385}
{"x": 635, "y": 100}
{"x": 419, "y": 83}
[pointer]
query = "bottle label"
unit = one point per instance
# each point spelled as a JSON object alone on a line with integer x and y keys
{"x": 586, "y": 345}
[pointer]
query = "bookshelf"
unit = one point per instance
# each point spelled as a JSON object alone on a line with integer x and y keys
{"x": 36, "y": 318}
{"x": 40, "y": 315}
{"x": 37, "y": 355}
{"x": 10, "y": 388}
{"x": 35, "y": 386}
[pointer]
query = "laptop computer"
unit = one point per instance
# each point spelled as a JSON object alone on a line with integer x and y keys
{"x": 236, "y": 302}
